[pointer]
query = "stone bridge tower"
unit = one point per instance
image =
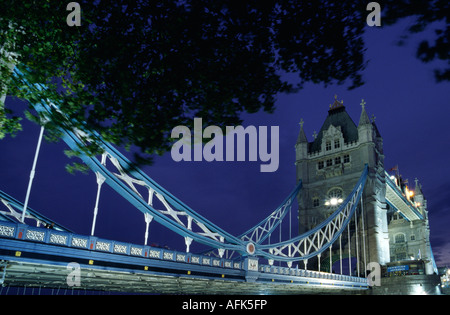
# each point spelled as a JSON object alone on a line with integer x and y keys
{"x": 330, "y": 166}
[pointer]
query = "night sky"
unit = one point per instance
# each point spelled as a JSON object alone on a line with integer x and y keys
{"x": 412, "y": 114}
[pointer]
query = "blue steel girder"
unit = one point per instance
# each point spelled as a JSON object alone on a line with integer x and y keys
{"x": 261, "y": 231}
{"x": 175, "y": 211}
{"x": 264, "y": 229}
{"x": 16, "y": 207}
{"x": 317, "y": 240}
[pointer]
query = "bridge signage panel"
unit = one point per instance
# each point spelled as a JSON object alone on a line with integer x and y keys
{"x": 398, "y": 268}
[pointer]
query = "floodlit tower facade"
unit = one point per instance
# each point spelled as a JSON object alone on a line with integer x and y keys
{"x": 330, "y": 166}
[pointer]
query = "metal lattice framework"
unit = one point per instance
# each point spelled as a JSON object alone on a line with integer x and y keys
{"x": 264, "y": 229}
{"x": 14, "y": 210}
{"x": 158, "y": 204}
{"x": 261, "y": 231}
{"x": 322, "y": 236}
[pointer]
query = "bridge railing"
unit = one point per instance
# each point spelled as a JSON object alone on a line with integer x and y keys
{"x": 59, "y": 238}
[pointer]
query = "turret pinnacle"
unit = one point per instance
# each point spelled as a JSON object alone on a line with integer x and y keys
{"x": 418, "y": 188}
{"x": 301, "y": 136}
{"x": 364, "y": 118}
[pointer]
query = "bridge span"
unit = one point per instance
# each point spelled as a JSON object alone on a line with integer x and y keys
{"x": 46, "y": 258}
{"x": 251, "y": 263}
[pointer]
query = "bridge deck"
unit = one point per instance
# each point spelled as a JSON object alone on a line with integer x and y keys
{"x": 54, "y": 276}
{"x": 398, "y": 200}
{"x": 35, "y": 257}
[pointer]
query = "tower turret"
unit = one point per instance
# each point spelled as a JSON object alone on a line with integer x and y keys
{"x": 301, "y": 147}
{"x": 365, "y": 128}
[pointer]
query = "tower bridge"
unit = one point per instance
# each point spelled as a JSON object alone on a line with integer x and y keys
{"x": 346, "y": 202}
{"x": 395, "y": 217}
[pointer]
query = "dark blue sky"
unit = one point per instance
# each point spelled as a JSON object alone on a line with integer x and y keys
{"x": 412, "y": 113}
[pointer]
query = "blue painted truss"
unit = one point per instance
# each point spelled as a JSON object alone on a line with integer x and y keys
{"x": 118, "y": 172}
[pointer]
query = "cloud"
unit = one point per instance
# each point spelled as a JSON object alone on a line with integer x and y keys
{"x": 441, "y": 254}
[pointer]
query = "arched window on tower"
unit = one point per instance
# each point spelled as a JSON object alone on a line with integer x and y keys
{"x": 399, "y": 238}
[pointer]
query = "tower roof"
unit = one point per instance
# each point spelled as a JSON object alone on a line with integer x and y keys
{"x": 337, "y": 116}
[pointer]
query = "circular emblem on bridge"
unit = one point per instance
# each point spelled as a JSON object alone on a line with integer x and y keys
{"x": 251, "y": 248}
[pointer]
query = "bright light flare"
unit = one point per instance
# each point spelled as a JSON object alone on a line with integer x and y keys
{"x": 334, "y": 201}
